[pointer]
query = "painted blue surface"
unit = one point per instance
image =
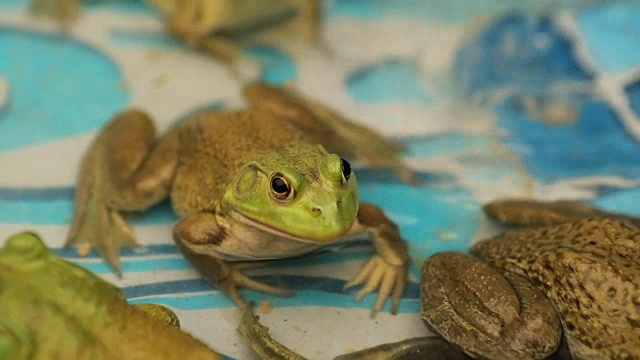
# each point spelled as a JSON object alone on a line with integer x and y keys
{"x": 59, "y": 212}
{"x": 595, "y": 145}
{"x": 528, "y": 55}
{"x": 302, "y": 298}
{"x": 277, "y": 66}
{"x": 633, "y": 92}
{"x": 292, "y": 282}
{"x": 456, "y": 11}
{"x": 624, "y": 201}
{"x": 392, "y": 79}
{"x": 46, "y": 74}
{"x": 612, "y": 31}
{"x": 446, "y": 143}
{"x": 517, "y": 52}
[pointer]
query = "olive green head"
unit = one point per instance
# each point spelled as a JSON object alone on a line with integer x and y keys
{"x": 39, "y": 293}
{"x": 300, "y": 192}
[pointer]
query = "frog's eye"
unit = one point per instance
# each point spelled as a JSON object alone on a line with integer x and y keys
{"x": 281, "y": 189}
{"x": 346, "y": 169}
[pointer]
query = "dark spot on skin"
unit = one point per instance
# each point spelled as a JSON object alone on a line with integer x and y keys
{"x": 635, "y": 323}
{"x": 611, "y": 292}
{"x": 217, "y": 236}
{"x": 570, "y": 326}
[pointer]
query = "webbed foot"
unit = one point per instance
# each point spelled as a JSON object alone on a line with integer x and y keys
{"x": 238, "y": 279}
{"x": 377, "y": 274}
{"x": 103, "y": 229}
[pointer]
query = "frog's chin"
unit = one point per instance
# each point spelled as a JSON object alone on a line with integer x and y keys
{"x": 246, "y": 220}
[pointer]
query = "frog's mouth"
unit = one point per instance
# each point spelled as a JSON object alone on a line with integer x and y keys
{"x": 246, "y": 220}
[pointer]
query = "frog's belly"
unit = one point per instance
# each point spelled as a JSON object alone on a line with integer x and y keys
{"x": 246, "y": 243}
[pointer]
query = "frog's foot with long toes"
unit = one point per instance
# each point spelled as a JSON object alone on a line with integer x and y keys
{"x": 124, "y": 170}
{"x": 388, "y": 270}
{"x": 377, "y": 274}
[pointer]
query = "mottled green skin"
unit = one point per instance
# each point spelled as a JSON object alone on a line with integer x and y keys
{"x": 52, "y": 309}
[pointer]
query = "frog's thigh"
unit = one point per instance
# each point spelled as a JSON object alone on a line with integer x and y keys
{"x": 309, "y": 18}
{"x": 138, "y": 168}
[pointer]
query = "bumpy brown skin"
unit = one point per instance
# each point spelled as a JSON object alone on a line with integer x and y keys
{"x": 590, "y": 270}
{"x": 127, "y": 169}
{"x": 485, "y": 313}
{"x": 536, "y": 213}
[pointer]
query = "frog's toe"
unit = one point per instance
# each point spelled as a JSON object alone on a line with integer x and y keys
{"x": 390, "y": 280}
{"x": 103, "y": 229}
{"x": 238, "y": 279}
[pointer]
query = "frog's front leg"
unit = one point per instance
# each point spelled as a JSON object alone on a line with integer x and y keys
{"x": 195, "y": 234}
{"x": 388, "y": 270}
{"x": 125, "y": 169}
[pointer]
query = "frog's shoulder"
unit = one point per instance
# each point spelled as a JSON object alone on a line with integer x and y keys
{"x": 259, "y": 126}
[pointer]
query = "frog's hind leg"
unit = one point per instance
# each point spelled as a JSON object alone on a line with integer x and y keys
{"x": 520, "y": 212}
{"x": 125, "y": 169}
{"x": 325, "y": 126}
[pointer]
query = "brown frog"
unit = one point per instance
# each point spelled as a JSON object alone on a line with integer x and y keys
{"x": 589, "y": 268}
{"x": 249, "y": 185}
{"x": 580, "y": 276}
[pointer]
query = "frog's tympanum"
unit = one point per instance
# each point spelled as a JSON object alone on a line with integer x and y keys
{"x": 53, "y": 309}
{"x": 256, "y": 184}
{"x": 525, "y": 288}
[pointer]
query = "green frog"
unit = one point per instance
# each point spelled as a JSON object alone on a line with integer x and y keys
{"x": 574, "y": 269}
{"x": 53, "y": 309}
{"x": 249, "y": 185}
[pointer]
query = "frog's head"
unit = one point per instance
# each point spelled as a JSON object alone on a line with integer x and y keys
{"x": 301, "y": 192}
{"x": 41, "y": 293}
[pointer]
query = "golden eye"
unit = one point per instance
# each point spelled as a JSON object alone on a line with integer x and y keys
{"x": 280, "y": 187}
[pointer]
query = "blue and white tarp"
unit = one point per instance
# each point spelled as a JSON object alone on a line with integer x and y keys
{"x": 490, "y": 100}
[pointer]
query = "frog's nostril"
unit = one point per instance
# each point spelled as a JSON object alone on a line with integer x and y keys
{"x": 339, "y": 204}
{"x": 316, "y": 211}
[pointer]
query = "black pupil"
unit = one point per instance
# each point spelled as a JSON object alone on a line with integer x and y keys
{"x": 346, "y": 168}
{"x": 279, "y": 185}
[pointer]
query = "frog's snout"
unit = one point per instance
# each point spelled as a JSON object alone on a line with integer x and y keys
{"x": 326, "y": 210}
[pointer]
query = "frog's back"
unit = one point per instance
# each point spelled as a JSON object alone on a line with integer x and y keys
{"x": 214, "y": 144}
